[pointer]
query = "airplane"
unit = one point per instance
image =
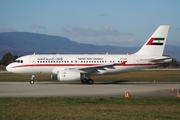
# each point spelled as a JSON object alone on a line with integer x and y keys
{"x": 70, "y": 67}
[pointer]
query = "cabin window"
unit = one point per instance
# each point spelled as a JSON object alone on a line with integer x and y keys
{"x": 18, "y": 61}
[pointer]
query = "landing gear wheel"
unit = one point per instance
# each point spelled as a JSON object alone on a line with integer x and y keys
{"x": 84, "y": 81}
{"x": 32, "y": 79}
{"x": 90, "y": 81}
{"x": 32, "y": 82}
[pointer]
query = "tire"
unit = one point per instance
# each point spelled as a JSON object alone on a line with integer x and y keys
{"x": 84, "y": 81}
{"x": 90, "y": 82}
{"x": 32, "y": 82}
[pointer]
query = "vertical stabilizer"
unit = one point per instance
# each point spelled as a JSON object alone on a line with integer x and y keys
{"x": 156, "y": 43}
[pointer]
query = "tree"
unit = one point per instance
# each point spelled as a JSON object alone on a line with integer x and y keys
{"x": 174, "y": 63}
{"x": 178, "y": 63}
{"x": 7, "y": 59}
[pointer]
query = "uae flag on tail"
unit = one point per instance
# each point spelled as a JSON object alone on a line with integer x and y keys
{"x": 155, "y": 41}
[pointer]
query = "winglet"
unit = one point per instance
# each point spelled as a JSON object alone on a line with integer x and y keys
{"x": 123, "y": 63}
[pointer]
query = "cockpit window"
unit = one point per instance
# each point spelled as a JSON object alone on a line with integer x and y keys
{"x": 18, "y": 61}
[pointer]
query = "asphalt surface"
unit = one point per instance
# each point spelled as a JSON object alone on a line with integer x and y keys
{"x": 76, "y": 89}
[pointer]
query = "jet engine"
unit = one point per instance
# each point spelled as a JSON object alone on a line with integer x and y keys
{"x": 66, "y": 75}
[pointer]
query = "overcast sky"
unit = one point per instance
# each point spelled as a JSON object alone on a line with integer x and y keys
{"x": 100, "y": 22}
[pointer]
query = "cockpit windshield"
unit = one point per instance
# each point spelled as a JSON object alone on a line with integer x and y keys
{"x": 18, "y": 61}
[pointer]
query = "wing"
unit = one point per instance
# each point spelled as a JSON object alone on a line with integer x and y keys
{"x": 89, "y": 69}
{"x": 92, "y": 69}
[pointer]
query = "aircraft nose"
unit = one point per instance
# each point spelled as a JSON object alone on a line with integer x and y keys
{"x": 8, "y": 68}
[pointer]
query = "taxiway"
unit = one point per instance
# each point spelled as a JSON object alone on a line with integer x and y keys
{"x": 76, "y": 89}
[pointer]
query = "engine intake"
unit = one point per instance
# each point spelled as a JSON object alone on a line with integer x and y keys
{"x": 65, "y": 75}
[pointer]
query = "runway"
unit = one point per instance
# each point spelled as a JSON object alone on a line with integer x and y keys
{"x": 76, "y": 89}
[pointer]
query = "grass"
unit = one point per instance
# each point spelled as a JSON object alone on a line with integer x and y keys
{"x": 2, "y": 67}
{"x": 90, "y": 108}
{"x": 145, "y": 76}
{"x": 138, "y": 76}
{"x": 9, "y": 77}
{"x": 103, "y": 108}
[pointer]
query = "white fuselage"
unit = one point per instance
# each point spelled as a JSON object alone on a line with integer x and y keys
{"x": 46, "y": 64}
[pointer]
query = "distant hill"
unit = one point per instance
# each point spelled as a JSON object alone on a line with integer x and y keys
{"x": 22, "y": 43}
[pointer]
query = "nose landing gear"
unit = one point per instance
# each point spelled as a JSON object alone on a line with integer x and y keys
{"x": 32, "y": 79}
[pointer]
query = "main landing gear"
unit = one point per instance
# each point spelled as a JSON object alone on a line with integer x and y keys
{"x": 87, "y": 81}
{"x": 32, "y": 79}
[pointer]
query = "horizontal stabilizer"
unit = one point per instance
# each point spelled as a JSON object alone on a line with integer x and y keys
{"x": 161, "y": 60}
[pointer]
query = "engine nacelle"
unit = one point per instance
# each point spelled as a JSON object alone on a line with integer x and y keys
{"x": 66, "y": 75}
